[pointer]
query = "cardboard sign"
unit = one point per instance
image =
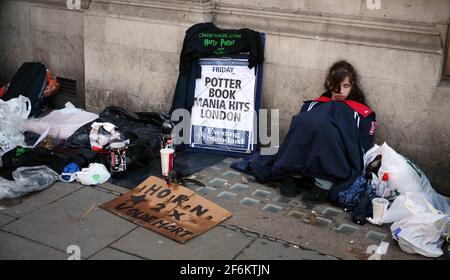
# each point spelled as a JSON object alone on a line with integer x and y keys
{"x": 176, "y": 212}
{"x": 222, "y": 117}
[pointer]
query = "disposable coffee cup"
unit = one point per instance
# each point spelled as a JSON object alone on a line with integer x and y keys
{"x": 380, "y": 206}
{"x": 166, "y": 160}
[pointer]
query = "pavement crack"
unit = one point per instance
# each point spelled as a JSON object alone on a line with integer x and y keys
{"x": 246, "y": 247}
{"x": 249, "y": 232}
{"x": 45, "y": 205}
{"x": 101, "y": 189}
{"x": 6, "y": 214}
{"x": 114, "y": 241}
{"x": 31, "y": 240}
{"x": 10, "y": 222}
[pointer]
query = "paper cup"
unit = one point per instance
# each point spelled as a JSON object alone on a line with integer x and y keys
{"x": 166, "y": 161}
{"x": 380, "y": 206}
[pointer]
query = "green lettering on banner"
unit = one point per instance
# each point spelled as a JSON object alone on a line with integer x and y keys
{"x": 226, "y": 43}
{"x": 219, "y": 35}
{"x": 220, "y": 40}
{"x": 219, "y": 51}
{"x": 209, "y": 42}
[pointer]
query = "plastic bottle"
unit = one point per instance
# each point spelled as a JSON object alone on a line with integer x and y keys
{"x": 166, "y": 134}
{"x": 383, "y": 189}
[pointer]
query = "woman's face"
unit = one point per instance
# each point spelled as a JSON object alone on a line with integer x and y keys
{"x": 346, "y": 87}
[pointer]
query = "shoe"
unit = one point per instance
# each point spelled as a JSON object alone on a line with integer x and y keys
{"x": 305, "y": 184}
{"x": 289, "y": 187}
{"x": 316, "y": 195}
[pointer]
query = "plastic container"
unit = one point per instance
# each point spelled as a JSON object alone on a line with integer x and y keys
{"x": 383, "y": 189}
{"x": 379, "y": 206}
{"x": 166, "y": 161}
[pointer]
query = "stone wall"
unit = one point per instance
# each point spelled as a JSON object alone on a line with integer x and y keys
{"x": 126, "y": 53}
{"x": 44, "y": 31}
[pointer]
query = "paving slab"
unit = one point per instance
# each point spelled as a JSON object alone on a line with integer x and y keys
{"x": 112, "y": 254}
{"x": 19, "y": 207}
{"x": 68, "y": 222}
{"x": 17, "y": 248}
{"x": 5, "y": 219}
{"x": 217, "y": 244}
{"x": 262, "y": 249}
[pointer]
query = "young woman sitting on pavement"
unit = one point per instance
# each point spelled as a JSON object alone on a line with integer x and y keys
{"x": 324, "y": 147}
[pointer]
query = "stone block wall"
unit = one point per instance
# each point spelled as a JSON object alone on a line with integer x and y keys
{"x": 126, "y": 53}
{"x": 44, "y": 31}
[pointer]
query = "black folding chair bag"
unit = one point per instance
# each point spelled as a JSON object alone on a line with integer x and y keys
{"x": 30, "y": 80}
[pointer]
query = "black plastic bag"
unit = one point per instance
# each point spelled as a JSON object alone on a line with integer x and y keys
{"x": 363, "y": 208}
{"x": 141, "y": 129}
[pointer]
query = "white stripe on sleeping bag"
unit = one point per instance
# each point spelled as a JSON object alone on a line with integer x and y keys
{"x": 357, "y": 118}
{"x": 311, "y": 106}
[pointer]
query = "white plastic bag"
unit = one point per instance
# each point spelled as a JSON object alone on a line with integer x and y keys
{"x": 11, "y": 129}
{"x": 407, "y": 205}
{"x": 404, "y": 176}
{"x": 5, "y": 144}
{"x": 95, "y": 174}
{"x": 19, "y": 107}
{"x": 61, "y": 123}
{"x": 421, "y": 233}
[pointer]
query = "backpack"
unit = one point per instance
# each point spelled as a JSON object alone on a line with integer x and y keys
{"x": 30, "y": 81}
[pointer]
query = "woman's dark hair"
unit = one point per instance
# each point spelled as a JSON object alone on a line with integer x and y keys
{"x": 337, "y": 73}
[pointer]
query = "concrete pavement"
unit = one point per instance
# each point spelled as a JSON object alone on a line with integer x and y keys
{"x": 45, "y": 224}
{"x": 264, "y": 225}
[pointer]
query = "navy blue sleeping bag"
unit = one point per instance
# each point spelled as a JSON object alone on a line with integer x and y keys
{"x": 326, "y": 140}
